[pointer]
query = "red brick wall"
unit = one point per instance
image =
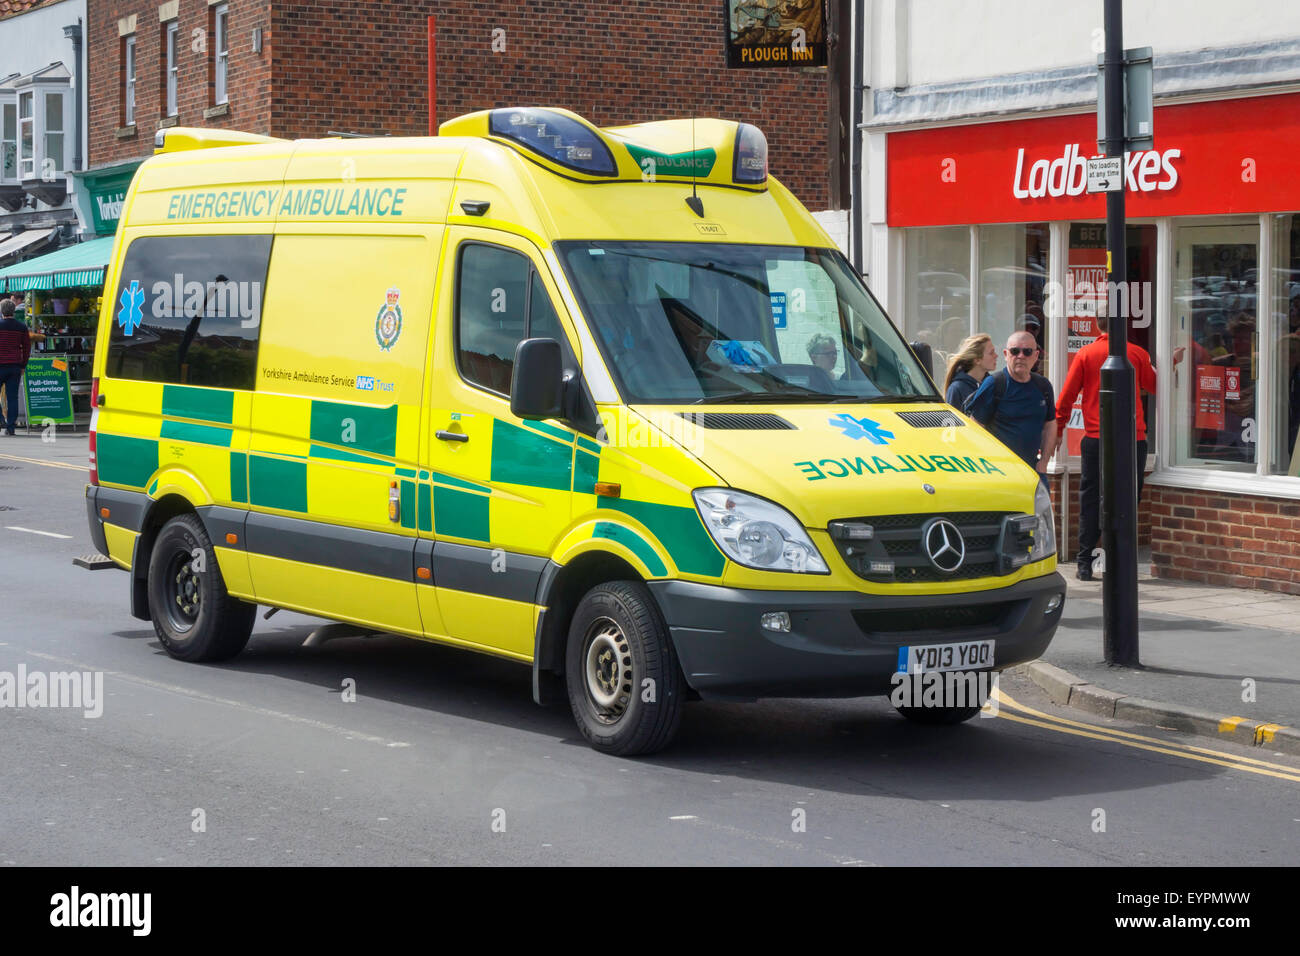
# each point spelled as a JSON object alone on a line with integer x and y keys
{"x": 362, "y": 67}
{"x": 249, "y": 84}
{"x": 1242, "y": 541}
{"x": 1069, "y": 547}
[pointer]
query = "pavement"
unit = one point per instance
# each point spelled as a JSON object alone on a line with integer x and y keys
{"x": 1220, "y": 662}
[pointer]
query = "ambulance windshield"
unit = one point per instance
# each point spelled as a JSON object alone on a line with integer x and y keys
{"x": 685, "y": 322}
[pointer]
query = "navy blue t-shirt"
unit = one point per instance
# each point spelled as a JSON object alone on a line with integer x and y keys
{"x": 1017, "y": 421}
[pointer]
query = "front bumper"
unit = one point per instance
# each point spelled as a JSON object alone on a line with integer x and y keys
{"x": 841, "y": 644}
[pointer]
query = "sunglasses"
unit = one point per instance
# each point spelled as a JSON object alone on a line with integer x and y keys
{"x": 1025, "y": 352}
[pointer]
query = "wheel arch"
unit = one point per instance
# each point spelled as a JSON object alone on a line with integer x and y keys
{"x": 558, "y": 592}
{"x": 159, "y": 512}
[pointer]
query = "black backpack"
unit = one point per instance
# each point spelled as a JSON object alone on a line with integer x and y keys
{"x": 1002, "y": 381}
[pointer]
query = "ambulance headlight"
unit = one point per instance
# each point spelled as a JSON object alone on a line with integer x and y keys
{"x": 561, "y": 139}
{"x": 1045, "y": 532}
{"x": 750, "y": 164}
{"x": 757, "y": 533}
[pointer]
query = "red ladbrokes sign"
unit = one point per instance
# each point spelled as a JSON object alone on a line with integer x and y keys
{"x": 1230, "y": 156}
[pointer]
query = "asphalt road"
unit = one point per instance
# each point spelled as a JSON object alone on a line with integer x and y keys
{"x": 443, "y": 757}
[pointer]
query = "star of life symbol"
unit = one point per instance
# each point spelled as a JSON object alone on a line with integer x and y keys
{"x": 131, "y": 315}
{"x": 388, "y": 323}
{"x": 862, "y": 428}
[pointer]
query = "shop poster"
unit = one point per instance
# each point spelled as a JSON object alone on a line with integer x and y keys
{"x": 49, "y": 396}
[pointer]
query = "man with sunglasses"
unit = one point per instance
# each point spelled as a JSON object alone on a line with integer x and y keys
{"x": 1018, "y": 406}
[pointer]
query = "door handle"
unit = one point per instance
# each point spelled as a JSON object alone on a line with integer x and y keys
{"x": 452, "y": 436}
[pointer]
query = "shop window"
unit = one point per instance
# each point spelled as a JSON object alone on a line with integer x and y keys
{"x": 1013, "y": 281}
{"x": 1216, "y": 357}
{"x": 1087, "y": 295}
{"x": 189, "y": 310}
{"x": 938, "y": 290}
{"x": 1285, "y": 459}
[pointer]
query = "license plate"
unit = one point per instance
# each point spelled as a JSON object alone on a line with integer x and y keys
{"x": 965, "y": 656}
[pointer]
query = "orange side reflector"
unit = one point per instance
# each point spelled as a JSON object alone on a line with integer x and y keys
{"x": 610, "y": 489}
{"x": 103, "y": 512}
{"x": 424, "y": 574}
{"x": 232, "y": 538}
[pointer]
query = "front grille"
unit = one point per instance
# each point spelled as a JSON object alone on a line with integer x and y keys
{"x": 961, "y": 618}
{"x": 738, "y": 421}
{"x": 931, "y": 419}
{"x": 990, "y": 547}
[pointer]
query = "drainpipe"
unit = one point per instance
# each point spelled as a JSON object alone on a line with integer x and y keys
{"x": 73, "y": 33}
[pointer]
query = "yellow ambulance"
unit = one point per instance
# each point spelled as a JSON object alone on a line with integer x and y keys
{"x": 603, "y": 401}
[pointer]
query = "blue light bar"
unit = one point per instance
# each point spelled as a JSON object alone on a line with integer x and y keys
{"x": 750, "y": 164}
{"x": 559, "y": 138}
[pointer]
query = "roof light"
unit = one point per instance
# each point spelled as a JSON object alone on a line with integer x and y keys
{"x": 561, "y": 139}
{"x": 750, "y": 163}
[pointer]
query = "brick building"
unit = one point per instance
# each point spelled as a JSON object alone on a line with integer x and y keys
{"x": 302, "y": 69}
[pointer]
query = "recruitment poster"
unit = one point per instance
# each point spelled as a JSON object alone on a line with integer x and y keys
{"x": 775, "y": 33}
{"x": 49, "y": 398}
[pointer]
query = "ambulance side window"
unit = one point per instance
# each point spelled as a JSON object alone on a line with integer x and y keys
{"x": 188, "y": 310}
{"x": 500, "y": 301}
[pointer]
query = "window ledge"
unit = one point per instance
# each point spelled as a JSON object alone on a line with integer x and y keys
{"x": 126, "y": 132}
{"x": 168, "y": 121}
{"x": 1226, "y": 482}
{"x": 212, "y": 112}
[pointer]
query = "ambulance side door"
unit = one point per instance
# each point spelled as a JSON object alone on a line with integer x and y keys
{"x": 502, "y": 486}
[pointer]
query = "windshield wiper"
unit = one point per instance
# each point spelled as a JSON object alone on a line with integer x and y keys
{"x": 900, "y": 400}
{"x": 731, "y": 398}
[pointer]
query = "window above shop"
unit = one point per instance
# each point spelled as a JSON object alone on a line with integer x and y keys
{"x": 37, "y": 121}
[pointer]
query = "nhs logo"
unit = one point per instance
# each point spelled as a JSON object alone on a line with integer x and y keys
{"x": 366, "y": 383}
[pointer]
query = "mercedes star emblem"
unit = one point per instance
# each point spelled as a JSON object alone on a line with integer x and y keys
{"x": 944, "y": 544}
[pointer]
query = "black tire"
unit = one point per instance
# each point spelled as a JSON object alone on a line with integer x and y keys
{"x": 607, "y": 688}
{"x": 946, "y": 715}
{"x": 938, "y": 716}
{"x": 193, "y": 615}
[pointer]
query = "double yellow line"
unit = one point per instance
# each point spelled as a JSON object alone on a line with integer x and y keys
{"x": 1010, "y": 709}
{"x": 47, "y": 464}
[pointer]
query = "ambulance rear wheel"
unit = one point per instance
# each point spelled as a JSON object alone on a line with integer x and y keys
{"x": 625, "y": 685}
{"x": 193, "y": 615}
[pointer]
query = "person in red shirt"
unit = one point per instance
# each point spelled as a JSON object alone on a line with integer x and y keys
{"x": 1085, "y": 376}
{"x": 15, "y": 348}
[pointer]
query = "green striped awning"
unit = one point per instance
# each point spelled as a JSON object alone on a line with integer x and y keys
{"x": 82, "y": 264}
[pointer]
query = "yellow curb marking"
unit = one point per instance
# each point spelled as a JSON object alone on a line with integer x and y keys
{"x": 47, "y": 464}
{"x": 1264, "y": 733}
{"x": 1065, "y": 725}
{"x": 1229, "y": 724}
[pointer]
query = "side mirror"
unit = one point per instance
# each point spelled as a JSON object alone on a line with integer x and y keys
{"x": 537, "y": 385}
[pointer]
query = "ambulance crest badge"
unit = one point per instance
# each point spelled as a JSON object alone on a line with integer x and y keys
{"x": 388, "y": 323}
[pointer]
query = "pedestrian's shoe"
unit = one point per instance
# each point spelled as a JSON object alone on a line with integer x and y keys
{"x": 1084, "y": 572}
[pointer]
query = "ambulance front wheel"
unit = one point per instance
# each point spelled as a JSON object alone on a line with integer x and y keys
{"x": 193, "y": 616}
{"x": 625, "y": 685}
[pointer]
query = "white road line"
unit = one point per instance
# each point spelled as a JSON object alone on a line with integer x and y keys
{"x": 346, "y": 732}
{"x": 48, "y": 534}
